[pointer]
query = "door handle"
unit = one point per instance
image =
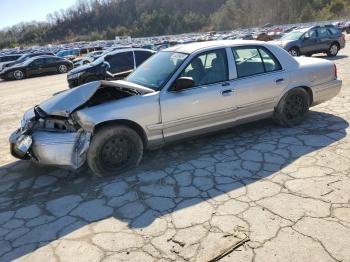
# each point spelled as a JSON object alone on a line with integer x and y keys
{"x": 279, "y": 81}
{"x": 227, "y": 92}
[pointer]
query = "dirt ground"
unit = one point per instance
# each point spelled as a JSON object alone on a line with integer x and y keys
{"x": 288, "y": 190}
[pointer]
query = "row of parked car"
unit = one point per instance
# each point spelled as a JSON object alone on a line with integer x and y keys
{"x": 117, "y": 62}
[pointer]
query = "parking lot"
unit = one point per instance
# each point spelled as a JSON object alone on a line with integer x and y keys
{"x": 287, "y": 190}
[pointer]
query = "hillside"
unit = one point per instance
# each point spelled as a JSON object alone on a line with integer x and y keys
{"x": 104, "y": 19}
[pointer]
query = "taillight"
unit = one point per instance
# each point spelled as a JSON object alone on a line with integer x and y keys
{"x": 335, "y": 72}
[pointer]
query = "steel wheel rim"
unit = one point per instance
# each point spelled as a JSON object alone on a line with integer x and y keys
{"x": 295, "y": 107}
{"x": 63, "y": 68}
{"x": 116, "y": 152}
{"x": 293, "y": 52}
{"x": 334, "y": 49}
{"x": 18, "y": 74}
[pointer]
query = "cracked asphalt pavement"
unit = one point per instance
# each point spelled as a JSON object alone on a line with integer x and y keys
{"x": 288, "y": 190}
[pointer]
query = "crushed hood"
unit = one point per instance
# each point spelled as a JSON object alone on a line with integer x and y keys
{"x": 66, "y": 102}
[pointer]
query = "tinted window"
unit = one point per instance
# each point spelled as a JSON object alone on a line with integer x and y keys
{"x": 322, "y": 32}
{"x": 39, "y": 62}
{"x": 208, "y": 68}
{"x": 270, "y": 62}
{"x": 333, "y": 31}
{"x": 248, "y": 61}
{"x": 141, "y": 56}
{"x": 52, "y": 60}
{"x": 311, "y": 34}
{"x": 251, "y": 61}
{"x": 121, "y": 62}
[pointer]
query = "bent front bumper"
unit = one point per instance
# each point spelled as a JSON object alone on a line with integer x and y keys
{"x": 67, "y": 150}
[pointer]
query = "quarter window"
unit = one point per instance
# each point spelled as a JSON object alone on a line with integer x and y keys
{"x": 253, "y": 60}
{"x": 208, "y": 68}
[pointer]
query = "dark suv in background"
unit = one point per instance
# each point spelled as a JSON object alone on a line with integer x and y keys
{"x": 111, "y": 66}
{"x": 312, "y": 40}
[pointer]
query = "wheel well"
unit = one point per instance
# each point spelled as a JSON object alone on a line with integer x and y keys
{"x": 309, "y": 92}
{"x": 136, "y": 127}
{"x": 335, "y": 42}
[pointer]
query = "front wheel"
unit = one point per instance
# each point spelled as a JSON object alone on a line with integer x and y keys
{"x": 18, "y": 75}
{"x": 293, "y": 108}
{"x": 294, "y": 51}
{"x": 62, "y": 69}
{"x": 113, "y": 150}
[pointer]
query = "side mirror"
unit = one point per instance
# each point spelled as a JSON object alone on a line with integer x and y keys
{"x": 183, "y": 83}
{"x": 106, "y": 64}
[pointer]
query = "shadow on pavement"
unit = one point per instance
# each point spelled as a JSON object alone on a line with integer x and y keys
{"x": 40, "y": 204}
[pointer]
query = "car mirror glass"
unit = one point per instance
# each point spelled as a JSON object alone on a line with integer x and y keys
{"x": 183, "y": 83}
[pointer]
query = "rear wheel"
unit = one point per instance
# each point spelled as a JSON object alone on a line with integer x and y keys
{"x": 294, "y": 51}
{"x": 333, "y": 50}
{"x": 18, "y": 74}
{"x": 293, "y": 108}
{"x": 113, "y": 150}
{"x": 62, "y": 69}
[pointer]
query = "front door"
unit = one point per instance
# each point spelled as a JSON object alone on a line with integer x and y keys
{"x": 207, "y": 104}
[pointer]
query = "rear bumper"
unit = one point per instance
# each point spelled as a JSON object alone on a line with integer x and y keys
{"x": 326, "y": 91}
{"x": 67, "y": 150}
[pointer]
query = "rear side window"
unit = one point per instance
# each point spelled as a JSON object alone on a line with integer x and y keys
{"x": 254, "y": 60}
{"x": 121, "y": 62}
{"x": 333, "y": 31}
{"x": 141, "y": 56}
{"x": 322, "y": 32}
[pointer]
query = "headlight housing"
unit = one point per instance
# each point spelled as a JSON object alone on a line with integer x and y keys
{"x": 76, "y": 75}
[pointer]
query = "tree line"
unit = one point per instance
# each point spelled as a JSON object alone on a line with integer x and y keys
{"x": 104, "y": 19}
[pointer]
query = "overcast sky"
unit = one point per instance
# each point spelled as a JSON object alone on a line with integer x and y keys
{"x": 16, "y": 11}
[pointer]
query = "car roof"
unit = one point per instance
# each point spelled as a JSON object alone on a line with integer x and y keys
{"x": 129, "y": 50}
{"x": 45, "y": 56}
{"x": 193, "y": 47}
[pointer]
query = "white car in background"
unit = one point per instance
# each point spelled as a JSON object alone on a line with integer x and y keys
{"x": 179, "y": 92}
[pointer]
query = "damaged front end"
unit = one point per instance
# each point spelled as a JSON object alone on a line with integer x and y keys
{"x": 50, "y": 134}
{"x": 50, "y": 141}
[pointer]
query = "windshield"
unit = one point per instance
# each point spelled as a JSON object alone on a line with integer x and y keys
{"x": 99, "y": 60}
{"x": 157, "y": 70}
{"x": 294, "y": 35}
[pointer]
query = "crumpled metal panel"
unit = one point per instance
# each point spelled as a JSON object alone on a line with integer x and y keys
{"x": 60, "y": 149}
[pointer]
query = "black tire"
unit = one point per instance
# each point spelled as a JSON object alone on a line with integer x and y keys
{"x": 333, "y": 50}
{"x": 62, "y": 69}
{"x": 114, "y": 149}
{"x": 293, "y": 108}
{"x": 309, "y": 54}
{"x": 18, "y": 75}
{"x": 294, "y": 51}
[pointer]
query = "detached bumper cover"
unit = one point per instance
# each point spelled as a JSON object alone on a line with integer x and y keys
{"x": 66, "y": 150}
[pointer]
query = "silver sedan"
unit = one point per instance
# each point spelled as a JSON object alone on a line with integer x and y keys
{"x": 180, "y": 92}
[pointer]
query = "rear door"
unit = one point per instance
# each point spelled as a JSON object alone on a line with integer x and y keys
{"x": 260, "y": 80}
{"x": 324, "y": 39}
{"x": 36, "y": 67}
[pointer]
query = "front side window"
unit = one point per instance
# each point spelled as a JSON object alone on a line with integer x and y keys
{"x": 311, "y": 34}
{"x": 254, "y": 60}
{"x": 208, "y": 68}
{"x": 121, "y": 62}
{"x": 157, "y": 70}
